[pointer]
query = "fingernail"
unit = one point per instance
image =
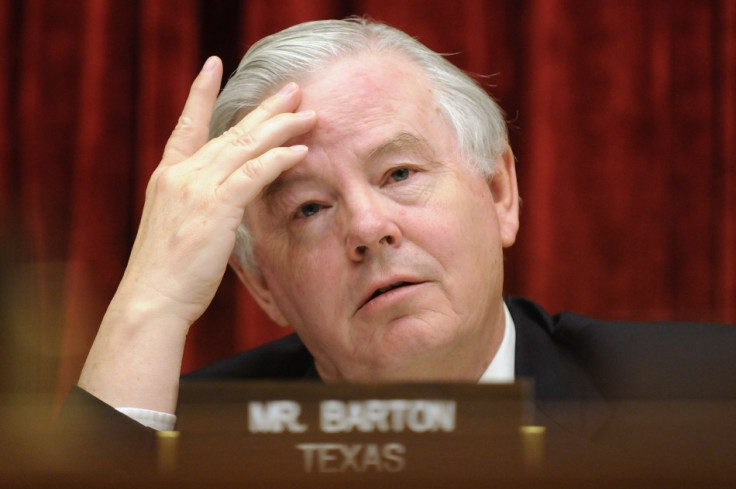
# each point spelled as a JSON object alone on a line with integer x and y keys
{"x": 209, "y": 65}
{"x": 305, "y": 114}
{"x": 299, "y": 148}
{"x": 288, "y": 88}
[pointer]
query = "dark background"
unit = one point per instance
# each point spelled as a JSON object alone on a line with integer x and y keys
{"x": 622, "y": 117}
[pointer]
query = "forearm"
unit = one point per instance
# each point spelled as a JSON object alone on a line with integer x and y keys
{"x": 135, "y": 360}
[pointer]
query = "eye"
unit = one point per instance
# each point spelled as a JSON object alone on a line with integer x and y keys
{"x": 309, "y": 209}
{"x": 400, "y": 174}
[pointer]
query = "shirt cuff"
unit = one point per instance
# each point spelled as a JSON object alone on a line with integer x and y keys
{"x": 153, "y": 419}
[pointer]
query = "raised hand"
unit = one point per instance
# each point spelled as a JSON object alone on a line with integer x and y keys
{"x": 195, "y": 202}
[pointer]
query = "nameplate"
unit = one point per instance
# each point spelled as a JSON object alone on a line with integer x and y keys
{"x": 325, "y": 432}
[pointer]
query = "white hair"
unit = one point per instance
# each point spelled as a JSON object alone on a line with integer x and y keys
{"x": 305, "y": 48}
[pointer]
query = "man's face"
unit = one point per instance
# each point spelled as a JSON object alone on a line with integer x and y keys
{"x": 383, "y": 249}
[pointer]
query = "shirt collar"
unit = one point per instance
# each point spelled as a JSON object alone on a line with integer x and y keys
{"x": 501, "y": 368}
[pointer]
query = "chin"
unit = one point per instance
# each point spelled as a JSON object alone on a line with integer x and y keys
{"x": 406, "y": 367}
{"x": 406, "y": 351}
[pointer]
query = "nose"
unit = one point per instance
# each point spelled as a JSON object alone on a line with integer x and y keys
{"x": 371, "y": 227}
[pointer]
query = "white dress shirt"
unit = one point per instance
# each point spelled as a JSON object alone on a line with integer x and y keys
{"x": 501, "y": 368}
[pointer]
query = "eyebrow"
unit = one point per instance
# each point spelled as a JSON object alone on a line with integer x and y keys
{"x": 401, "y": 143}
{"x": 270, "y": 193}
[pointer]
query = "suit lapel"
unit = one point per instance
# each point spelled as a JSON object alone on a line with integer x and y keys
{"x": 563, "y": 393}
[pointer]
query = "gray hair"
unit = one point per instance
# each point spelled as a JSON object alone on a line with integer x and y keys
{"x": 305, "y": 48}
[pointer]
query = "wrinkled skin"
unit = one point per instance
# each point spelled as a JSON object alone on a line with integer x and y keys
{"x": 385, "y": 198}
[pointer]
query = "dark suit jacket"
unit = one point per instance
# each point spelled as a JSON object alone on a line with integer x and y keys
{"x": 581, "y": 362}
{"x": 583, "y": 371}
{"x": 569, "y": 357}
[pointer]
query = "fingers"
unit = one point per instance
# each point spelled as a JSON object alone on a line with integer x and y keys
{"x": 246, "y": 183}
{"x": 250, "y": 160}
{"x": 285, "y": 101}
{"x": 240, "y": 145}
{"x": 237, "y": 164}
{"x": 192, "y": 129}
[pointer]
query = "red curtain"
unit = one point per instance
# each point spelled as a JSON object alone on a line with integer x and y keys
{"x": 622, "y": 115}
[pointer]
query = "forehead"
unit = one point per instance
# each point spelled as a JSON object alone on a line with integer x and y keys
{"x": 367, "y": 72}
{"x": 367, "y": 92}
{"x": 370, "y": 107}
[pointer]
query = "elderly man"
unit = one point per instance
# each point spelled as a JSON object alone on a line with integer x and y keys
{"x": 368, "y": 190}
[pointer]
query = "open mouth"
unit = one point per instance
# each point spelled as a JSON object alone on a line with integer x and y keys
{"x": 383, "y": 290}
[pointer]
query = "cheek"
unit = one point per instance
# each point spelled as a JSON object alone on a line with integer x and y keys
{"x": 458, "y": 220}
{"x": 303, "y": 279}
{"x": 465, "y": 241}
{"x": 312, "y": 262}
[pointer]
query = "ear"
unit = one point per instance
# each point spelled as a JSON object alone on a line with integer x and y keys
{"x": 505, "y": 191}
{"x": 259, "y": 289}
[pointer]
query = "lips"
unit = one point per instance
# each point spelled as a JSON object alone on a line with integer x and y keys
{"x": 382, "y": 290}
